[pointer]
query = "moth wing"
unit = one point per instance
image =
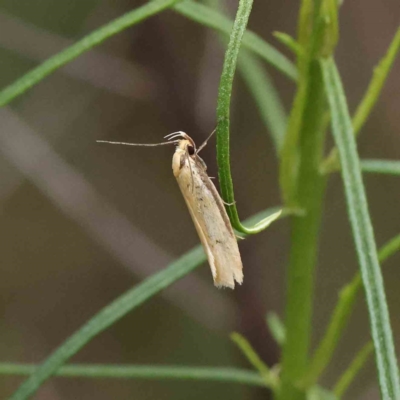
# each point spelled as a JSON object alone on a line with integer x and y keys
{"x": 212, "y": 224}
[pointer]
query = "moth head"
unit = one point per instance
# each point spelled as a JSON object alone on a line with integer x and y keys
{"x": 184, "y": 142}
{"x": 188, "y": 146}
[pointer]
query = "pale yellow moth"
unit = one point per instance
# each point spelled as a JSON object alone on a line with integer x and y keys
{"x": 206, "y": 209}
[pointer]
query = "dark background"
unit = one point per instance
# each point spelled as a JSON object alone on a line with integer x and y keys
{"x": 84, "y": 222}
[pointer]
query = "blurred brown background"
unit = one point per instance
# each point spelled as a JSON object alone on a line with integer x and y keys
{"x": 83, "y": 222}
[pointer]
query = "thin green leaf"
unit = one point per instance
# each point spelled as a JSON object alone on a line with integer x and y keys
{"x": 369, "y": 100}
{"x": 348, "y": 376}
{"x": 390, "y": 167}
{"x": 289, "y": 42}
{"x": 88, "y": 42}
{"x": 270, "y": 379}
{"x": 266, "y": 96}
{"x": 276, "y": 327}
{"x": 363, "y": 233}
{"x": 262, "y": 215}
{"x": 215, "y": 20}
{"x": 112, "y": 313}
{"x": 381, "y": 73}
{"x": 389, "y": 248}
{"x": 232, "y": 375}
{"x": 223, "y": 112}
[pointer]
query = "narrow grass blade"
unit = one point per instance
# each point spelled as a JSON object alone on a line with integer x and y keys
{"x": 112, "y": 313}
{"x": 270, "y": 379}
{"x": 88, "y": 42}
{"x": 363, "y": 233}
{"x": 98, "y": 371}
{"x": 389, "y": 167}
{"x": 213, "y": 19}
{"x": 348, "y": 376}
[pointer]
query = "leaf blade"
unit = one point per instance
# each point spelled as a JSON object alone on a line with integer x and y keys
{"x": 389, "y": 167}
{"x": 37, "y": 74}
{"x": 97, "y": 371}
{"x": 362, "y": 233}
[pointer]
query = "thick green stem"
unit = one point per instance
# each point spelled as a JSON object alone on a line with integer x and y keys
{"x": 304, "y": 241}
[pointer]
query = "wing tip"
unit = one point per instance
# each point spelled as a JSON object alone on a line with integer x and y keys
{"x": 219, "y": 283}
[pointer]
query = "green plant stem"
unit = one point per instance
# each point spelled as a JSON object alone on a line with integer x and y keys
{"x": 348, "y": 376}
{"x": 97, "y": 371}
{"x": 304, "y": 240}
{"x": 363, "y": 234}
{"x": 303, "y": 186}
{"x": 213, "y": 19}
{"x": 290, "y": 157}
{"x": 88, "y": 42}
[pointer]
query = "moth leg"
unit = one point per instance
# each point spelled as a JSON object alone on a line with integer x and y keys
{"x": 205, "y": 142}
{"x": 229, "y": 204}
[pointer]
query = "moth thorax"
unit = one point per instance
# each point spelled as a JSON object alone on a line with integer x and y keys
{"x": 178, "y": 161}
{"x": 183, "y": 152}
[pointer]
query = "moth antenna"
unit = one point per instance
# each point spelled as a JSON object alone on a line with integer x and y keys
{"x": 175, "y": 136}
{"x": 138, "y": 144}
{"x": 177, "y": 133}
{"x": 205, "y": 142}
{"x": 182, "y": 135}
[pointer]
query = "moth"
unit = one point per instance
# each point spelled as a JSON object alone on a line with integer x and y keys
{"x": 205, "y": 207}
